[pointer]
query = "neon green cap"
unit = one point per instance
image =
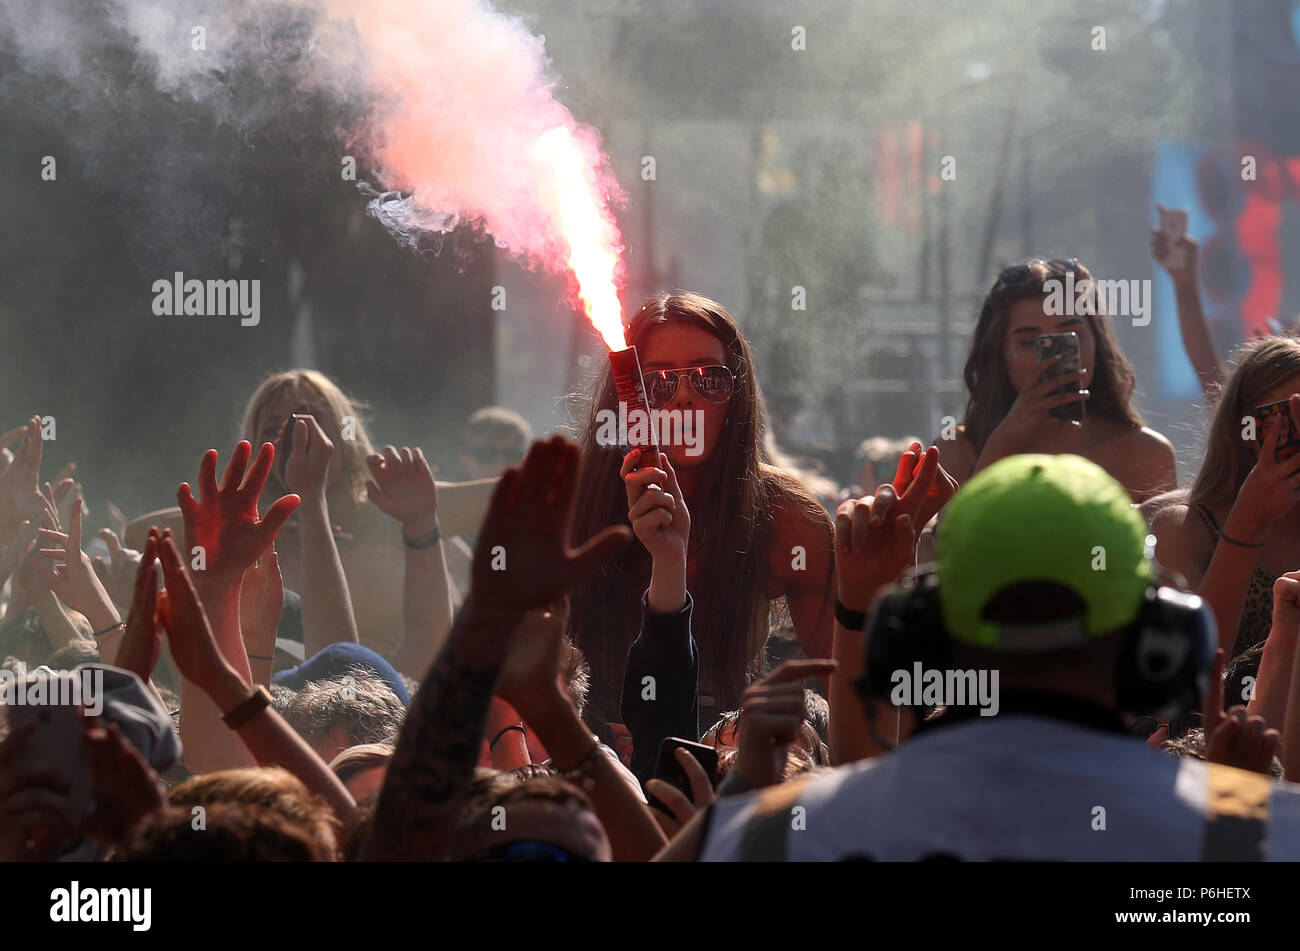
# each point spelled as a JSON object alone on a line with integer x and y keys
{"x": 1041, "y": 518}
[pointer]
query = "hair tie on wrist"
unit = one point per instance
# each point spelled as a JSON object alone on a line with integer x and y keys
{"x": 1233, "y": 541}
{"x": 504, "y": 730}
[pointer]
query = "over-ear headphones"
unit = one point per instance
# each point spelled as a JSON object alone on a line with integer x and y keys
{"x": 1164, "y": 667}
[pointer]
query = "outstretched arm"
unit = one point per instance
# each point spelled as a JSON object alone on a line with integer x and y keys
{"x": 1195, "y": 329}
{"x": 269, "y": 739}
{"x": 403, "y": 488}
{"x": 522, "y": 562}
{"x": 326, "y": 604}
{"x": 223, "y": 536}
{"x": 875, "y": 541}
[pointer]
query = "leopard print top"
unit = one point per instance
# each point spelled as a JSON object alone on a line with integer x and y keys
{"x": 1257, "y": 609}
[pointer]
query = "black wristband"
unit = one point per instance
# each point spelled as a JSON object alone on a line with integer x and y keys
{"x": 1233, "y": 541}
{"x": 504, "y": 730}
{"x": 853, "y": 620}
{"x": 424, "y": 541}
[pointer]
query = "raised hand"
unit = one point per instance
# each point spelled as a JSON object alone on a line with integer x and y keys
{"x": 1031, "y": 414}
{"x": 118, "y": 573}
{"x": 875, "y": 536}
{"x": 7, "y": 440}
{"x": 656, "y": 507}
{"x": 403, "y": 487}
{"x": 142, "y": 640}
{"x": 1161, "y": 246}
{"x": 65, "y": 493}
{"x": 193, "y": 647}
{"x": 682, "y": 808}
{"x": 20, "y": 493}
{"x": 771, "y": 712}
{"x": 67, "y": 571}
{"x": 306, "y": 471}
{"x": 529, "y": 677}
{"x": 261, "y": 601}
{"x": 523, "y": 560}
{"x": 224, "y": 521}
{"x": 16, "y": 547}
{"x": 910, "y": 466}
{"x": 1243, "y": 741}
{"x": 1271, "y": 489}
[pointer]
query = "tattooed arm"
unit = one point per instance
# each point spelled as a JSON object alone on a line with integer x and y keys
{"x": 440, "y": 742}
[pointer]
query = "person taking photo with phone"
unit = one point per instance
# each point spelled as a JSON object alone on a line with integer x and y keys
{"x": 1019, "y": 400}
{"x": 1238, "y": 529}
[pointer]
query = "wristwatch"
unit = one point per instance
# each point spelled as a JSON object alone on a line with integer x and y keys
{"x": 424, "y": 541}
{"x": 245, "y": 711}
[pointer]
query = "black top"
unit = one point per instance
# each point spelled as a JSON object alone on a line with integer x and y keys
{"x": 668, "y": 704}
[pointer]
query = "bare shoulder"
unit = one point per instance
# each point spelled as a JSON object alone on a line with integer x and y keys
{"x": 1183, "y": 539}
{"x": 1170, "y": 513}
{"x": 958, "y": 455}
{"x": 1175, "y": 501}
{"x": 798, "y": 522}
{"x": 797, "y": 515}
{"x": 1152, "y": 443}
{"x": 1148, "y": 463}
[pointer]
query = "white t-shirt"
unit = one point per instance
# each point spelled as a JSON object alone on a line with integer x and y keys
{"x": 1014, "y": 787}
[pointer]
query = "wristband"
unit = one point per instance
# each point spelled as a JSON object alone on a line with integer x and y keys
{"x": 853, "y": 620}
{"x": 504, "y": 730}
{"x": 255, "y": 704}
{"x": 424, "y": 541}
{"x": 119, "y": 626}
{"x": 258, "y": 657}
{"x": 1233, "y": 541}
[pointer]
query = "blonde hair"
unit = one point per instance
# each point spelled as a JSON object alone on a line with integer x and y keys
{"x": 361, "y": 757}
{"x": 316, "y": 389}
{"x": 1261, "y": 366}
{"x": 270, "y": 787}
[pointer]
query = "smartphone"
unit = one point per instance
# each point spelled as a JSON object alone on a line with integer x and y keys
{"x": 58, "y": 742}
{"x": 1173, "y": 225}
{"x": 286, "y": 446}
{"x": 1288, "y": 440}
{"x": 670, "y": 771}
{"x": 1066, "y": 344}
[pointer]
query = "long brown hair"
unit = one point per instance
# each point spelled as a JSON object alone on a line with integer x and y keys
{"x": 731, "y": 514}
{"x": 1261, "y": 366}
{"x": 987, "y": 381}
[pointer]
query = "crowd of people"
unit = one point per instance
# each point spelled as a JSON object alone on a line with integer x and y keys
{"x": 999, "y": 646}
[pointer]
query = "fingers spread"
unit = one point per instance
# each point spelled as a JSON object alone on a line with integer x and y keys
{"x": 235, "y": 468}
{"x": 188, "y": 504}
{"x": 275, "y": 517}
{"x": 261, "y": 469}
{"x": 208, "y": 475}
{"x": 112, "y": 541}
